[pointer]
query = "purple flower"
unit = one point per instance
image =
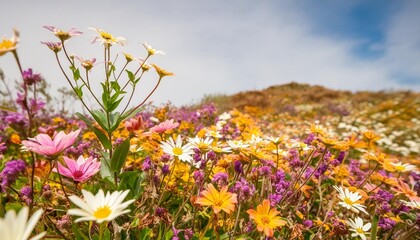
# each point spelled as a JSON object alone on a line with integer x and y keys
{"x": 244, "y": 189}
{"x": 147, "y": 164}
{"x": 237, "y": 165}
{"x": 26, "y": 194}
{"x": 198, "y": 177}
{"x": 165, "y": 169}
{"x": 11, "y": 172}
{"x": 307, "y": 223}
{"x": 30, "y": 78}
{"x": 309, "y": 139}
{"x": 36, "y": 105}
{"x": 188, "y": 234}
{"x": 274, "y": 199}
{"x": 386, "y": 223}
{"x": 165, "y": 157}
{"x": 221, "y": 179}
{"x": 382, "y": 196}
{"x": 264, "y": 171}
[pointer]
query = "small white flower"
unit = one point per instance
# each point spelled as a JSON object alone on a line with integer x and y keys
{"x": 18, "y": 227}
{"x": 237, "y": 144}
{"x": 358, "y": 228}
{"x": 176, "y": 149}
{"x": 100, "y": 207}
{"x": 151, "y": 51}
{"x": 203, "y": 144}
{"x": 349, "y": 200}
{"x": 403, "y": 167}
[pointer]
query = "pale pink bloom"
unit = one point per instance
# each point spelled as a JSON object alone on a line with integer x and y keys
{"x": 63, "y": 35}
{"x": 80, "y": 170}
{"x": 43, "y": 144}
{"x": 164, "y": 126}
{"x": 54, "y": 46}
{"x": 86, "y": 63}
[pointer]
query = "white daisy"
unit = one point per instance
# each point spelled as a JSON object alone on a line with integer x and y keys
{"x": 237, "y": 144}
{"x": 403, "y": 167}
{"x": 203, "y": 144}
{"x": 358, "y": 228}
{"x": 349, "y": 200}
{"x": 100, "y": 207}
{"x": 18, "y": 227}
{"x": 151, "y": 51}
{"x": 176, "y": 149}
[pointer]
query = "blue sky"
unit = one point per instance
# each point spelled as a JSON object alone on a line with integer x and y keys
{"x": 230, "y": 46}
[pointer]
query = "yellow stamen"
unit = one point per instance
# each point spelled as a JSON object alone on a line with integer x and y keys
{"x": 102, "y": 212}
{"x": 177, "y": 151}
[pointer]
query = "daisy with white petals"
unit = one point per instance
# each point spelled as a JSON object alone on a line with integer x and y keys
{"x": 358, "y": 228}
{"x": 350, "y": 199}
{"x": 100, "y": 207}
{"x": 18, "y": 227}
{"x": 176, "y": 149}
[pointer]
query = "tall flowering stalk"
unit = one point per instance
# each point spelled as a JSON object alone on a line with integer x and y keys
{"x": 114, "y": 91}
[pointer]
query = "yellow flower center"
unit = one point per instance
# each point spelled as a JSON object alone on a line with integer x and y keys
{"x": 177, "y": 151}
{"x": 5, "y": 44}
{"x": 106, "y": 36}
{"x": 348, "y": 201}
{"x": 265, "y": 220}
{"x": 102, "y": 212}
{"x": 399, "y": 168}
{"x": 218, "y": 203}
{"x": 360, "y": 230}
{"x": 62, "y": 35}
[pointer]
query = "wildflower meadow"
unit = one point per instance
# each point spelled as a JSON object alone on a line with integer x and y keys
{"x": 126, "y": 169}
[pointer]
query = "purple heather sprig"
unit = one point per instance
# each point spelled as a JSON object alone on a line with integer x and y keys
{"x": 11, "y": 172}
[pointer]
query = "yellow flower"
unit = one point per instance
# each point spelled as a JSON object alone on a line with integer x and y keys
{"x": 222, "y": 200}
{"x": 162, "y": 72}
{"x": 107, "y": 39}
{"x": 14, "y": 138}
{"x": 266, "y": 218}
{"x": 8, "y": 45}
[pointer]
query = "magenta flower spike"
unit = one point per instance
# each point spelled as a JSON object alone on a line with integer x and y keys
{"x": 80, "y": 170}
{"x": 44, "y": 145}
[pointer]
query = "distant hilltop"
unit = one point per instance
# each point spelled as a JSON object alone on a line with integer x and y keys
{"x": 287, "y": 97}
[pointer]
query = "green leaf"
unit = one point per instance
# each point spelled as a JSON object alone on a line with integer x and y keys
{"x": 115, "y": 86}
{"x": 84, "y": 119}
{"x": 131, "y": 76}
{"x": 79, "y": 91}
{"x": 100, "y": 118}
{"x": 102, "y": 138}
{"x": 114, "y": 105}
{"x": 145, "y": 234}
{"x": 101, "y": 135}
{"x": 105, "y": 170}
{"x": 168, "y": 235}
{"x": 132, "y": 180}
{"x": 76, "y": 74}
{"x": 120, "y": 155}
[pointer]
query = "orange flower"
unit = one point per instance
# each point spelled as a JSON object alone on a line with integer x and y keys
{"x": 266, "y": 218}
{"x": 222, "y": 200}
{"x": 403, "y": 188}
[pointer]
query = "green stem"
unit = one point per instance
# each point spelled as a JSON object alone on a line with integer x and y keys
{"x": 374, "y": 228}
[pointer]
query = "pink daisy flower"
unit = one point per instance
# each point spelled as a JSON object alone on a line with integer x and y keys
{"x": 44, "y": 145}
{"x": 80, "y": 170}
